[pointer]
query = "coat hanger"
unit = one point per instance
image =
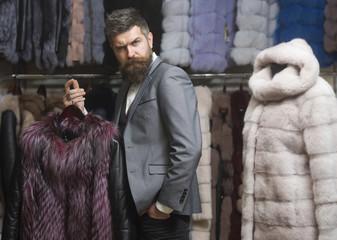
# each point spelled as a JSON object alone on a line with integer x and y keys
{"x": 42, "y": 90}
{"x": 15, "y": 88}
{"x": 70, "y": 112}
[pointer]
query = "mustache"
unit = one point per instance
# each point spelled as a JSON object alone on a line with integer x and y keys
{"x": 135, "y": 61}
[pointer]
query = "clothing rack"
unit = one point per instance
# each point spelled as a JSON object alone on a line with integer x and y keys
{"x": 208, "y": 79}
{"x": 194, "y": 76}
{"x": 30, "y": 76}
{"x": 115, "y": 80}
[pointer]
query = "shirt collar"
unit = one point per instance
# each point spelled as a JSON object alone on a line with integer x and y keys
{"x": 154, "y": 56}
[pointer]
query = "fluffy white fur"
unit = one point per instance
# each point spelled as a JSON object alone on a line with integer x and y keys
{"x": 290, "y": 154}
{"x": 175, "y": 38}
{"x": 243, "y": 53}
{"x": 256, "y": 21}
{"x": 201, "y": 222}
{"x": 175, "y": 7}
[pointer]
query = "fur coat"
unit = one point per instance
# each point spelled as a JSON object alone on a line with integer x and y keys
{"x": 94, "y": 37}
{"x": 330, "y": 26}
{"x": 65, "y": 187}
{"x": 175, "y": 40}
{"x": 8, "y": 32}
{"x": 207, "y": 40}
{"x": 290, "y": 154}
{"x": 51, "y": 23}
{"x": 304, "y": 19}
{"x": 221, "y": 166}
{"x": 256, "y": 21}
{"x": 201, "y": 222}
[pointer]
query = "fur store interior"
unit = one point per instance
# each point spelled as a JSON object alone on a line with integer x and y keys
{"x": 265, "y": 77}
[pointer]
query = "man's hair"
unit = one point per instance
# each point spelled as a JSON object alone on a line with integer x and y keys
{"x": 120, "y": 21}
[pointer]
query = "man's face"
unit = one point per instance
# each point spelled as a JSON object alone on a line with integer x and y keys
{"x": 134, "y": 52}
{"x": 131, "y": 44}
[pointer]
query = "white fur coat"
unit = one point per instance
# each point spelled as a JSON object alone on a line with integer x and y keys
{"x": 290, "y": 149}
{"x": 201, "y": 222}
{"x": 175, "y": 39}
{"x": 256, "y": 21}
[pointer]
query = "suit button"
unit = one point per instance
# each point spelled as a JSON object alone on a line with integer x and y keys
{"x": 183, "y": 196}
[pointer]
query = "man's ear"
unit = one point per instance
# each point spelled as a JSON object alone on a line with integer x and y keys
{"x": 150, "y": 39}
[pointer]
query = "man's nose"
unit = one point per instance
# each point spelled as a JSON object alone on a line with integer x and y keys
{"x": 131, "y": 52}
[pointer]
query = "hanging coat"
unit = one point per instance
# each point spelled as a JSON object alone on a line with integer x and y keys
{"x": 290, "y": 154}
{"x": 68, "y": 183}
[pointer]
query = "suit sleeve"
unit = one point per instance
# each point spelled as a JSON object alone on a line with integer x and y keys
{"x": 178, "y": 108}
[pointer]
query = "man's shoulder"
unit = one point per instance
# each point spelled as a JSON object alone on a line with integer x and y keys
{"x": 164, "y": 67}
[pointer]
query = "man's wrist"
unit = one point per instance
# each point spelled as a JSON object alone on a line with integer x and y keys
{"x": 163, "y": 208}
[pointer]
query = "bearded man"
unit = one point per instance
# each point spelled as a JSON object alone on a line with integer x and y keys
{"x": 156, "y": 113}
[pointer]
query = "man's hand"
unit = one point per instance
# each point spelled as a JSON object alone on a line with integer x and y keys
{"x": 153, "y": 212}
{"x": 75, "y": 95}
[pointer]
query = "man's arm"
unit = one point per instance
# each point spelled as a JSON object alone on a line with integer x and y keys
{"x": 178, "y": 107}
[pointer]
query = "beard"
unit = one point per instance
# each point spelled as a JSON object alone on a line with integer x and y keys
{"x": 135, "y": 69}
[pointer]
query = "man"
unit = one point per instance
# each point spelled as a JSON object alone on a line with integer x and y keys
{"x": 156, "y": 112}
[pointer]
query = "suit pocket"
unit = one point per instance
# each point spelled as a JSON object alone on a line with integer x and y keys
{"x": 149, "y": 100}
{"x": 158, "y": 169}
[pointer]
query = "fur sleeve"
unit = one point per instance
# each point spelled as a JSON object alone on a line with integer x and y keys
{"x": 320, "y": 136}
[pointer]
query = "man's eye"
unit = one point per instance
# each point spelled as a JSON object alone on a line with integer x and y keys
{"x": 121, "y": 48}
{"x": 136, "y": 42}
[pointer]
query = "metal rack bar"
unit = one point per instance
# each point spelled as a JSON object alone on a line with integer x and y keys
{"x": 196, "y": 76}
{"x": 115, "y": 76}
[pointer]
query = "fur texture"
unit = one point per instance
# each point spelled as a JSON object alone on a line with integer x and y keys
{"x": 221, "y": 154}
{"x": 63, "y": 40}
{"x": 65, "y": 191}
{"x": 304, "y": 19}
{"x": 174, "y": 47}
{"x": 201, "y": 222}
{"x": 256, "y": 22}
{"x": 330, "y": 27}
{"x": 239, "y": 102}
{"x": 94, "y": 28}
{"x": 76, "y": 34}
{"x": 207, "y": 44}
{"x": 8, "y": 34}
{"x": 289, "y": 155}
{"x": 34, "y": 103}
{"x": 50, "y": 38}
{"x": 54, "y": 101}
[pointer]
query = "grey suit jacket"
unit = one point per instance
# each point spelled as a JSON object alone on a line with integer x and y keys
{"x": 162, "y": 140}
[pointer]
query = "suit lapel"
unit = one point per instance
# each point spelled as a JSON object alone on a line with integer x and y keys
{"x": 119, "y": 102}
{"x": 144, "y": 85}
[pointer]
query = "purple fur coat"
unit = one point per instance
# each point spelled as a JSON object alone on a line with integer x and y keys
{"x": 65, "y": 190}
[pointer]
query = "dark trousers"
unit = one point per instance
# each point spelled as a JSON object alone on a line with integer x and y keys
{"x": 177, "y": 227}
